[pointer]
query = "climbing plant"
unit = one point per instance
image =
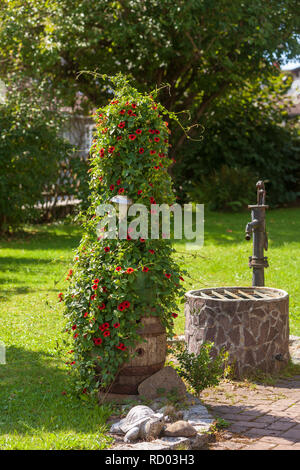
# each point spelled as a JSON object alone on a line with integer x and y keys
{"x": 115, "y": 282}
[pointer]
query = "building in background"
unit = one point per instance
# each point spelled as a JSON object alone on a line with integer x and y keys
{"x": 294, "y": 92}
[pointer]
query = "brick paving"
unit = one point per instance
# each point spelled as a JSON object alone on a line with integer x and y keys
{"x": 260, "y": 417}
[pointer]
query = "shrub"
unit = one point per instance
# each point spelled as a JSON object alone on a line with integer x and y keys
{"x": 30, "y": 152}
{"x": 201, "y": 371}
{"x": 111, "y": 278}
{"x": 225, "y": 189}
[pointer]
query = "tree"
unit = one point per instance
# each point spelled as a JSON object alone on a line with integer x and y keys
{"x": 203, "y": 49}
{"x": 248, "y": 136}
{"x": 30, "y": 151}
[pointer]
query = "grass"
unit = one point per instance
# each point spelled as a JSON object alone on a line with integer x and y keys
{"x": 37, "y": 408}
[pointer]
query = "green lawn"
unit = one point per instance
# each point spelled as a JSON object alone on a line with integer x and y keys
{"x": 37, "y": 410}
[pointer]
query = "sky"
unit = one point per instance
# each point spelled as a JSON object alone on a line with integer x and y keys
{"x": 290, "y": 65}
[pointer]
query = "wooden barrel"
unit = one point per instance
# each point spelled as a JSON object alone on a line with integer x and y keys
{"x": 150, "y": 358}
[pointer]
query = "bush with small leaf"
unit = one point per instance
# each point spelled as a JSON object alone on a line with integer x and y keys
{"x": 202, "y": 370}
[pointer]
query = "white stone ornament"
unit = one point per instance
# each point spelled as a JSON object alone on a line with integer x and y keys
{"x": 140, "y": 423}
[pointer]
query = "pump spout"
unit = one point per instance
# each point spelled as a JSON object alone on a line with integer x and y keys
{"x": 250, "y": 227}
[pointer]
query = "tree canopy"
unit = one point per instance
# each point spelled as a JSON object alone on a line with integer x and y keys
{"x": 202, "y": 48}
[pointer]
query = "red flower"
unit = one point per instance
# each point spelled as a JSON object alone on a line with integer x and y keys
{"x": 142, "y": 240}
{"x": 129, "y": 270}
{"x": 140, "y": 191}
{"x": 76, "y": 335}
{"x": 152, "y": 200}
{"x": 106, "y": 333}
{"x": 102, "y": 306}
{"x": 152, "y": 252}
{"x": 129, "y": 112}
{"x": 121, "y": 125}
{"x": 168, "y": 276}
{"x": 133, "y": 105}
{"x": 118, "y": 182}
{"x": 74, "y": 327}
{"x": 174, "y": 315}
{"x": 156, "y": 167}
{"x": 156, "y": 139}
{"x": 141, "y": 150}
{"x": 121, "y": 346}
{"x": 111, "y": 149}
{"x": 106, "y": 249}
{"x": 97, "y": 341}
{"x": 181, "y": 278}
{"x": 60, "y": 296}
{"x": 152, "y": 152}
{"x": 86, "y": 314}
{"x": 118, "y": 268}
{"x": 104, "y": 289}
{"x": 93, "y": 297}
{"x": 112, "y": 187}
{"x": 128, "y": 237}
{"x": 116, "y": 325}
{"x": 95, "y": 286}
{"x": 119, "y": 137}
{"x": 104, "y": 326}
{"x": 121, "y": 307}
{"x": 132, "y": 136}
{"x": 121, "y": 191}
{"x": 126, "y": 304}
{"x": 138, "y": 131}
{"x": 122, "y": 111}
{"x": 145, "y": 269}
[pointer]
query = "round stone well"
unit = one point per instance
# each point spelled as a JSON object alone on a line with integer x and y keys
{"x": 251, "y": 323}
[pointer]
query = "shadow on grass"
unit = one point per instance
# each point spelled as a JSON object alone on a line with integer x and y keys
{"x": 44, "y": 237}
{"x": 15, "y": 271}
{"x": 34, "y": 397}
{"x": 11, "y": 263}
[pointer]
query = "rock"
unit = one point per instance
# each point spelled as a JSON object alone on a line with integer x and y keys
{"x": 165, "y": 379}
{"x": 117, "y": 398}
{"x": 180, "y": 429}
{"x": 157, "y": 405}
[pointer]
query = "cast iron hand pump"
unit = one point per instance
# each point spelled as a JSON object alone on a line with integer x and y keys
{"x": 257, "y": 226}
